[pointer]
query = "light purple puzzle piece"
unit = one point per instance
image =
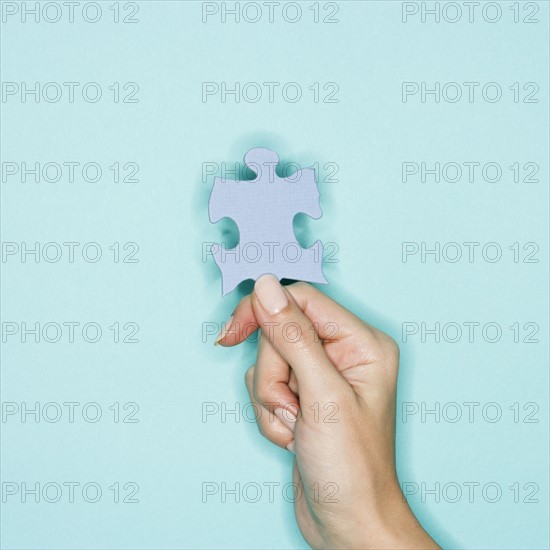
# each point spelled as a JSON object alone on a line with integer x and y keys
{"x": 264, "y": 210}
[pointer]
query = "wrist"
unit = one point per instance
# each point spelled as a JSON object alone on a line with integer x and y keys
{"x": 388, "y": 522}
{"x": 397, "y": 526}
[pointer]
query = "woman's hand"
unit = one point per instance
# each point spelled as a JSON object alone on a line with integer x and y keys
{"x": 325, "y": 383}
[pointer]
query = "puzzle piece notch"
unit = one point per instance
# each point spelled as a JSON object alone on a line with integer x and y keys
{"x": 264, "y": 211}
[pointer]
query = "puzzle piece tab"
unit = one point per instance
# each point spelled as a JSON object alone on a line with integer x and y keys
{"x": 264, "y": 210}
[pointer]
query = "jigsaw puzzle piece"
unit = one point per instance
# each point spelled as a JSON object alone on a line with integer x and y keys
{"x": 263, "y": 210}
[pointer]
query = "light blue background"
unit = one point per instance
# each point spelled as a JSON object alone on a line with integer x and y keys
{"x": 171, "y": 292}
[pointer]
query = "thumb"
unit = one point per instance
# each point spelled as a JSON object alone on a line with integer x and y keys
{"x": 294, "y": 337}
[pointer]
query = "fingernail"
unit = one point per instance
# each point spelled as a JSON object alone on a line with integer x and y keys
{"x": 270, "y": 293}
{"x": 287, "y": 417}
{"x": 290, "y": 447}
{"x": 223, "y": 332}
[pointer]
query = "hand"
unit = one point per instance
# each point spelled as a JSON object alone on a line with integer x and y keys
{"x": 325, "y": 384}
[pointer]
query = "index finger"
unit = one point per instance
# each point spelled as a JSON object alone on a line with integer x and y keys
{"x": 332, "y": 321}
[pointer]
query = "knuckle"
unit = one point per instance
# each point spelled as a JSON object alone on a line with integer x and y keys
{"x": 343, "y": 396}
{"x": 265, "y": 391}
{"x": 262, "y": 429}
{"x": 249, "y": 375}
{"x": 389, "y": 348}
{"x": 293, "y": 330}
{"x": 301, "y": 286}
{"x": 303, "y": 291}
{"x": 269, "y": 430}
{"x": 265, "y": 427}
